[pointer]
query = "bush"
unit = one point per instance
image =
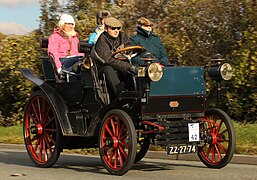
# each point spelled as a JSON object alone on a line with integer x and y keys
{"x": 16, "y": 52}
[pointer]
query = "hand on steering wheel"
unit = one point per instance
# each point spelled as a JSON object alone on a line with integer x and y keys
{"x": 128, "y": 52}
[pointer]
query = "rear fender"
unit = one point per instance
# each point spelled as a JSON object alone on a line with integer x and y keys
{"x": 55, "y": 99}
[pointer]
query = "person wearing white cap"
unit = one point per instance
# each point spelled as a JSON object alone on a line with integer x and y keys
{"x": 115, "y": 71}
{"x": 63, "y": 44}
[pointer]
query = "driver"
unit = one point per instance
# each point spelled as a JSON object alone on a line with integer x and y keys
{"x": 115, "y": 71}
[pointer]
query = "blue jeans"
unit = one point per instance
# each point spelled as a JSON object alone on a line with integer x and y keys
{"x": 68, "y": 62}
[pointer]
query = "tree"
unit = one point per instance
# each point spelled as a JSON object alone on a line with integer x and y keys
{"x": 50, "y": 11}
{"x": 16, "y": 52}
{"x": 241, "y": 101}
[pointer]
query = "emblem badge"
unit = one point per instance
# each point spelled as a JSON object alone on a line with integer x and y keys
{"x": 173, "y": 104}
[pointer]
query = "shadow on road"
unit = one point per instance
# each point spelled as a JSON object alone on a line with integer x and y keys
{"x": 85, "y": 163}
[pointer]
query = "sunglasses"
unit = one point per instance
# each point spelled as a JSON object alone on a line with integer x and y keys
{"x": 113, "y": 28}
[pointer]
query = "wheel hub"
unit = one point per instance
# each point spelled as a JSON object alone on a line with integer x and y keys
{"x": 211, "y": 139}
{"x": 38, "y": 129}
{"x": 208, "y": 139}
{"x": 114, "y": 142}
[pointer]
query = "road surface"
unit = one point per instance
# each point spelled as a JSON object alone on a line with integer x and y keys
{"x": 15, "y": 164}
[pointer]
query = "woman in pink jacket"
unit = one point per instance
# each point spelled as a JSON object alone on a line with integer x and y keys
{"x": 63, "y": 44}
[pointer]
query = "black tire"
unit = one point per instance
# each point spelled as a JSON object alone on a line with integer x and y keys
{"x": 41, "y": 131}
{"x": 220, "y": 139}
{"x": 117, "y": 142}
{"x": 142, "y": 146}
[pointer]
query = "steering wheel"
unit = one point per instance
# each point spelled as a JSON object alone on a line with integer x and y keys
{"x": 128, "y": 52}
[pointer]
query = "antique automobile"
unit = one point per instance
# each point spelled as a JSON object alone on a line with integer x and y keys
{"x": 165, "y": 107}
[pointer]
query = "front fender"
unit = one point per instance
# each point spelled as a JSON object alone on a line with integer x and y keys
{"x": 55, "y": 99}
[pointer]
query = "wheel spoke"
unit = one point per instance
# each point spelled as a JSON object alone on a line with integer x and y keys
{"x": 220, "y": 125}
{"x": 221, "y": 139}
{"x": 44, "y": 114}
{"x": 48, "y": 144}
{"x": 226, "y": 130}
{"x": 50, "y": 130}
{"x": 213, "y": 154}
{"x": 218, "y": 151}
{"x": 35, "y": 137}
{"x": 50, "y": 138}
{"x": 208, "y": 150}
{"x": 113, "y": 126}
{"x": 124, "y": 137}
{"x": 39, "y": 109}
{"x": 49, "y": 121}
{"x": 120, "y": 157}
{"x": 222, "y": 147}
{"x": 121, "y": 130}
{"x": 115, "y": 158}
{"x": 36, "y": 145}
{"x": 111, "y": 155}
{"x": 40, "y": 148}
{"x": 109, "y": 131}
{"x": 117, "y": 127}
{"x": 45, "y": 149}
{"x": 33, "y": 119}
{"x": 124, "y": 154}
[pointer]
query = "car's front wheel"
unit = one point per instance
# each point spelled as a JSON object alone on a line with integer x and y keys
{"x": 117, "y": 142}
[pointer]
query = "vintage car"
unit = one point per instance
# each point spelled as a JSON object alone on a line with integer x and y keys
{"x": 167, "y": 107}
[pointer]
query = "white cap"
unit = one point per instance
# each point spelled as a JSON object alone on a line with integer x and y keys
{"x": 66, "y": 18}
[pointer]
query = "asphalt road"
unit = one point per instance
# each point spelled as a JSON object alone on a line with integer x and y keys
{"x": 15, "y": 164}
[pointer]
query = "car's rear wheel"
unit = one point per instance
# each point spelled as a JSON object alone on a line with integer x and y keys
{"x": 220, "y": 139}
{"x": 117, "y": 142}
{"x": 42, "y": 135}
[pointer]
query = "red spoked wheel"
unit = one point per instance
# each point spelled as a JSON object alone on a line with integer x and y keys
{"x": 42, "y": 135}
{"x": 117, "y": 142}
{"x": 220, "y": 139}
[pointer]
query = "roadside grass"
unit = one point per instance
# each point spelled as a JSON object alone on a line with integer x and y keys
{"x": 246, "y": 139}
{"x": 11, "y": 135}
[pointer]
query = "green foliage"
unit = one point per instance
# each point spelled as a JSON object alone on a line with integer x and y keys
{"x": 191, "y": 31}
{"x": 16, "y": 52}
{"x": 49, "y": 16}
{"x": 242, "y": 99}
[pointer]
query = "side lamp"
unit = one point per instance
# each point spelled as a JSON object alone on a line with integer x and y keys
{"x": 219, "y": 70}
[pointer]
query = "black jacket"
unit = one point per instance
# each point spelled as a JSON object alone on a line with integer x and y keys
{"x": 105, "y": 46}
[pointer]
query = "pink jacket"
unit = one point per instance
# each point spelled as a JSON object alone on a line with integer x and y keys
{"x": 59, "y": 46}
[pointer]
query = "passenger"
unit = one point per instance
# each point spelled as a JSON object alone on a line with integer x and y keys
{"x": 146, "y": 38}
{"x": 63, "y": 44}
{"x": 115, "y": 71}
{"x": 100, "y": 17}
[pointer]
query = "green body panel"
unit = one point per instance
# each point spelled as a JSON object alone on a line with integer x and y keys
{"x": 180, "y": 81}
